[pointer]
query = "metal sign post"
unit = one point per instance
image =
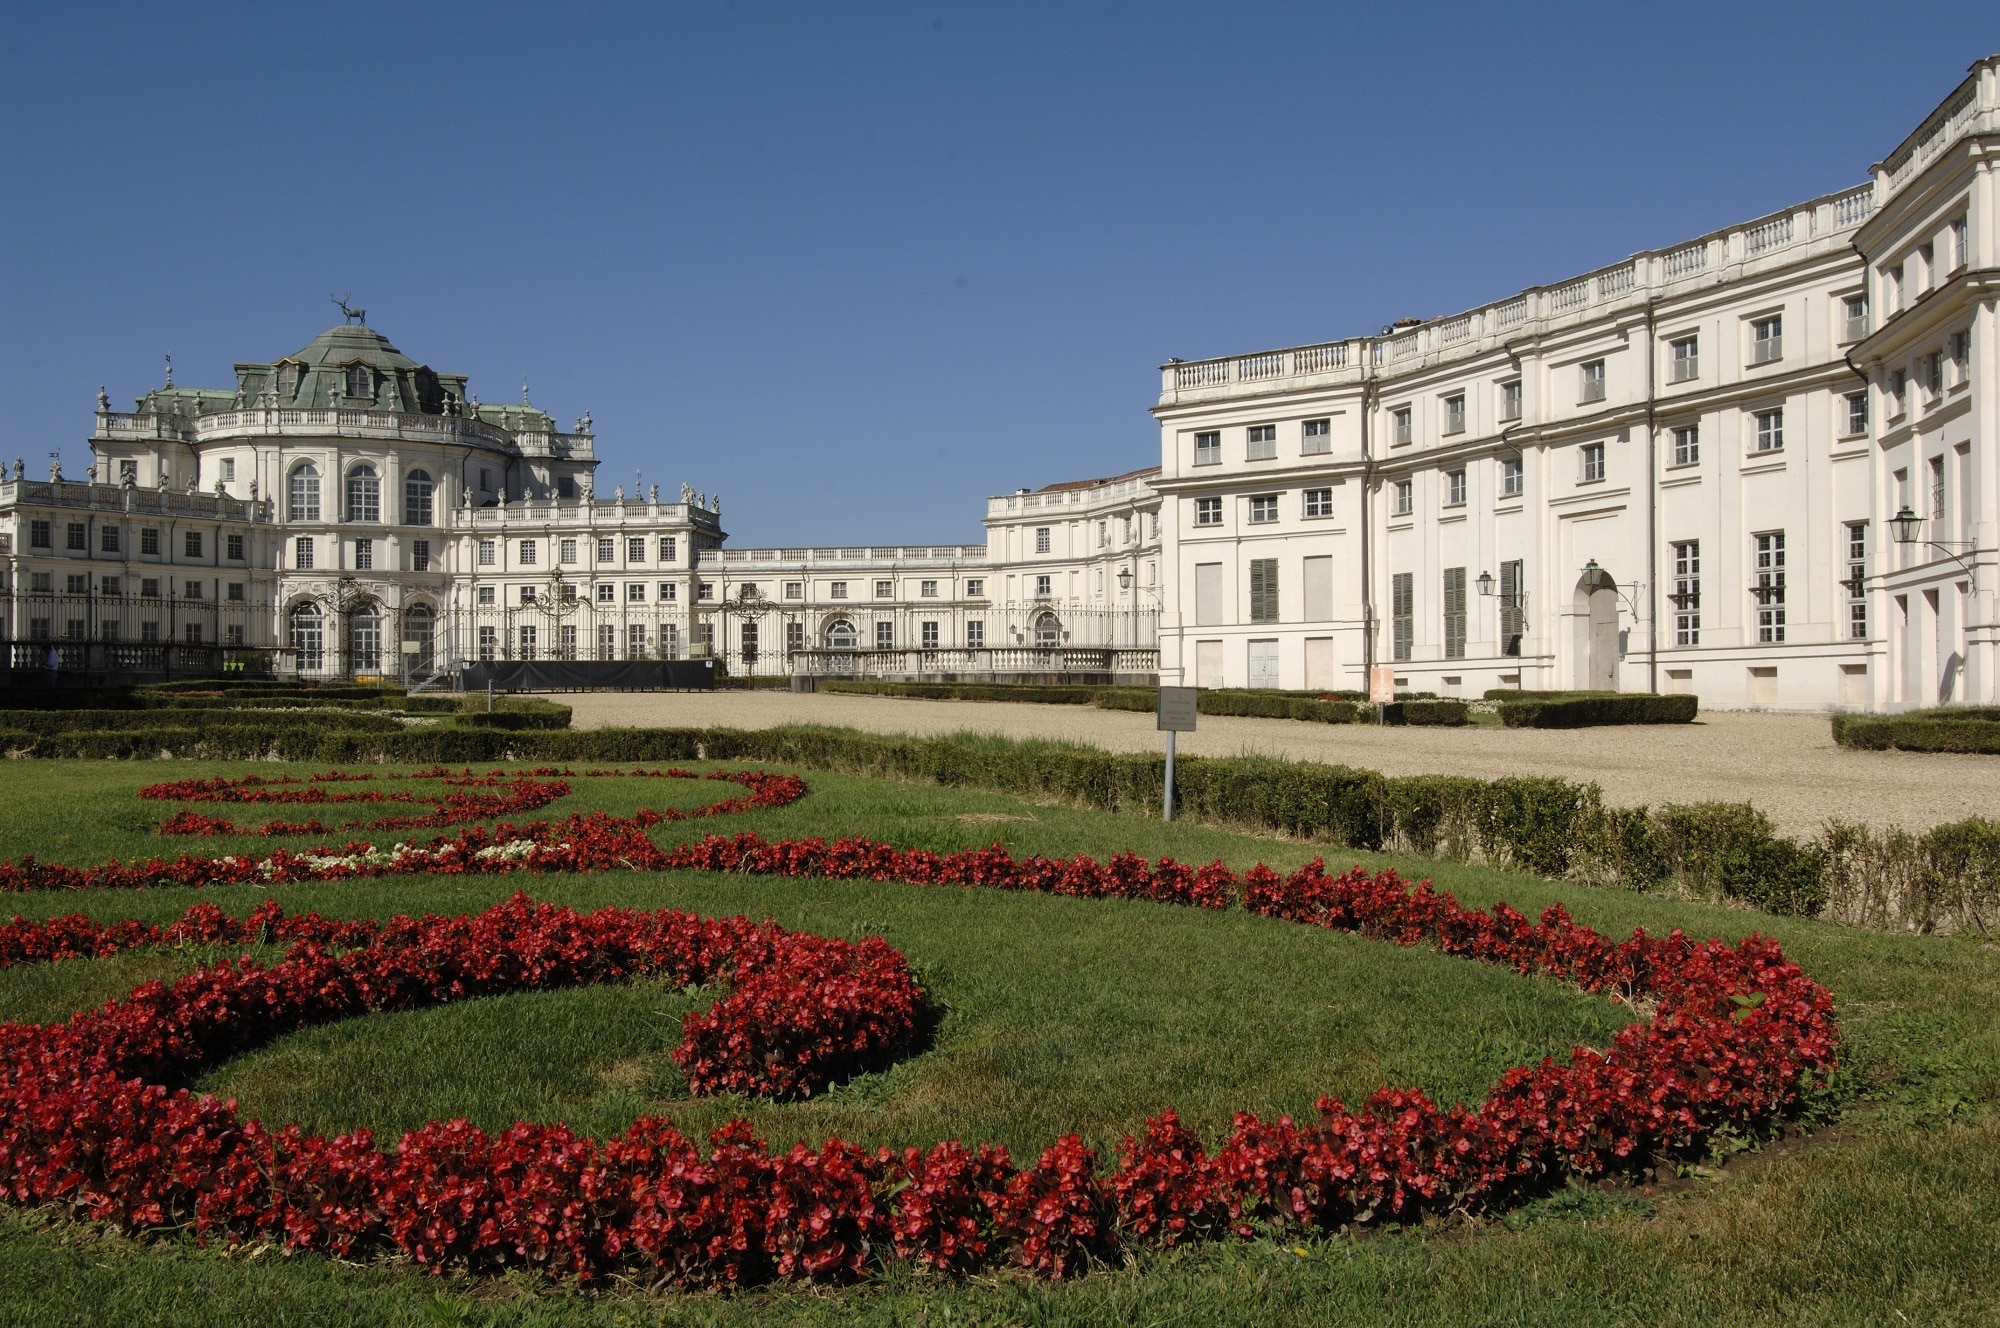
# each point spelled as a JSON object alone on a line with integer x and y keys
{"x": 1176, "y": 715}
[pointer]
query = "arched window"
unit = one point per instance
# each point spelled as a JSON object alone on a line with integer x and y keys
{"x": 1048, "y": 632}
{"x": 360, "y": 382}
{"x": 364, "y": 494}
{"x": 304, "y": 493}
{"x": 840, "y": 635}
{"x": 364, "y": 639}
{"x": 418, "y": 623}
{"x": 308, "y": 638}
{"x": 417, "y": 498}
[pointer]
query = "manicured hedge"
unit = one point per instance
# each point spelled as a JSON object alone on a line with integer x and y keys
{"x": 1968, "y": 729}
{"x": 965, "y": 691}
{"x": 1576, "y": 712}
{"x": 1436, "y": 713}
{"x": 1208, "y": 701}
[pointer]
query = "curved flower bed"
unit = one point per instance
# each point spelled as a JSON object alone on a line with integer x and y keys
{"x": 93, "y": 1122}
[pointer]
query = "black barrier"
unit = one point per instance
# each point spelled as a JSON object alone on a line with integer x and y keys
{"x": 561, "y": 675}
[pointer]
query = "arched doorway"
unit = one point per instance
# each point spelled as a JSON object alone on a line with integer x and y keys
{"x": 419, "y": 622}
{"x": 840, "y": 635}
{"x": 364, "y": 638}
{"x": 1595, "y": 615}
{"x": 308, "y": 632}
{"x": 1048, "y": 632}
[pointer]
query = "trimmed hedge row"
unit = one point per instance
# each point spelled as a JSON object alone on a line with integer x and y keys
{"x": 1576, "y": 712}
{"x": 966, "y": 691}
{"x": 1208, "y": 701}
{"x": 1967, "y": 729}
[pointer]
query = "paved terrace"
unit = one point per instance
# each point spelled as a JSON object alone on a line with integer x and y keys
{"x": 1785, "y": 764}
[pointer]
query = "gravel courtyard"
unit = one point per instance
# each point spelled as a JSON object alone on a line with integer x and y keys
{"x": 1785, "y": 764}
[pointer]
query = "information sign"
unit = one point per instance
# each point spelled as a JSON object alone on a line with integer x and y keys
{"x": 1177, "y": 709}
{"x": 1382, "y": 684}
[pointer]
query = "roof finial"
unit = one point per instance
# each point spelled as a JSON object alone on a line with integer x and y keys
{"x": 351, "y": 315}
{"x": 524, "y": 390}
{"x": 170, "y": 371}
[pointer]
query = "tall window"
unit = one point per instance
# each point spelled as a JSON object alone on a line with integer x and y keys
{"x": 420, "y": 555}
{"x": 1857, "y": 414}
{"x": 1399, "y": 425}
{"x": 1318, "y": 436}
{"x": 1593, "y": 461}
{"x": 489, "y": 552}
{"x": 364, "y": 494}
{"x": 1208, "y": 449}
{"x": 527, "y": 553}
{"x": 975, "y": 634}
{"x": 607, "y": 549}
{"x": 304, "y": 496}
{"x": 1399, "y": 498}
{"x": 1402, "y": 614}
{"x": 1767, "y": 339}
{"x": 1510, "y": 477}
{"x": 1855, "y": 310}
{"x": 308, "y": 638}
{"x": 360, "y": 382}
{"x": 1513, "y": 605}
{"x": 1591, "y": 386}
{"x": 1856, "y": 584}
{"x": 1960, "y": 244}
{"x": 1771, "y": 429}
{"x": 1687, "y": 444}
{"x": 1687, "y": 593}
{"x": 1937, "y": 490}
{"x": 1454, "y": 413}
{"x": 1898, "y": 385}
{"x": 1686, "y": 359}
{"x": 528, "y": 638}
{"x": 1454, "y": 488}
{"x": 489, "y": 643}
{"x": 364, "y": 555}
{"x": 364, "y": 639}
{"x": 1454, "y": 613}
{"x": 885, "y": 636}
{"x": 1041, "y": 539}
{"x": 928, "y": 635}
{"x": 1264, "y": 590}
{"x": 302, "y": 553}
{"x": 1262, "y": 442}
{"x": 1510, "y": 400}
{"x": 234, "y": 545}
{"x": 667, "y": 547}
{"x": 417, "y": 498}
{"x": 1769, "y": 588}
{"x": 635, "y": 550}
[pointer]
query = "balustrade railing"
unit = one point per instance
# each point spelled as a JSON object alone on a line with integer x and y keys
{"x": 979, "y": 660}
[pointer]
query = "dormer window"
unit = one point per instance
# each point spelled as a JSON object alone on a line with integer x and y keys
{"x": 288, "y": 381}
{"x": 360, "y": 382}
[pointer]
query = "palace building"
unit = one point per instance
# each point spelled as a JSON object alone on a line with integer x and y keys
{"x": 1758, "y": 466}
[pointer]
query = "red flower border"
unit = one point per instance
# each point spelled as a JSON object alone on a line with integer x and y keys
{"x": 92, "y": 1122}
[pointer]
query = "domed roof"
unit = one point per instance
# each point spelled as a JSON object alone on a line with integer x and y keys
{"x": 349, "y": 342}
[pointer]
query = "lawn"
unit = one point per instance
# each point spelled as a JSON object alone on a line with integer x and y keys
{"x": 1063, "y": 1014}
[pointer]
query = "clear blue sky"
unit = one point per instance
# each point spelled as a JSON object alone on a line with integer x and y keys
{"x": 858, "y": 266}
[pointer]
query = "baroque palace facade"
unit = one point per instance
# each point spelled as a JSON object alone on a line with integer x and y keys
{"x": 1759, "y": 466}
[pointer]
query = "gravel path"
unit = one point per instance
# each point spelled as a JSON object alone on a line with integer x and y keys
{"x": 1785, "y": 764}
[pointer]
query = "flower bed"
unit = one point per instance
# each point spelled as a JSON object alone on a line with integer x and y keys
{"x": 91, "y": 1119}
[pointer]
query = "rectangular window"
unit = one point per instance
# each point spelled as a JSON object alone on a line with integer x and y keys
{"x": 149, "y": 542}
{"x": 1400, "y": 429}
{"x": 77, "y": 583}
{"x": 1857, "y": 414}
{"x": 885, "y": 636}
{"x": 1958, "y": 350}
{"x": 975, "y": 588}
{"x": 149, "y": 587}
{"x": 236, "y": 590}
{"x": 234, "y": 548}
{"x": 228, "y": 469}
{"x": 1042, "y": 590}
{"x": 527, "y": 594}
{"x": 1402, "y": 614}
{"x": 1769, "y": 588}
{"x": 1319, "y": 502}
{"x": 1207, "y": 452}
{"x": 885, "y": 589}
{"x": 128, "y": 470}
{"x": 1933, "y": 367}
{"x": 489, "y": 643}
{"x": 607, "y": 592}
{"x": 748, "y": 638}
{"x": 1104, "y": 534}
{"x": 1687, "y": 444}
{"x": 1767, "y": 339}
{"x": 1937, "y": 488}
{"x": 975, "y": 634}
{"x": 1513, "y": 605}
{"x": 1960, "y": 244}
{"x": 109, "y": 585}
{"x": 1771, "y": 430}
{"x": 1263, "y": 590}
{"x": 1591, "y": 381}
{"x": 1261, "y": 442}
{"x": 1856, "y": 584}
{"x": 232, "y": 635}
{"x": 364, "y": 555}
{"x": 1454, "y": 488}
{"x": 667, "y": 549}
{"x": 607, "y": 549}
{"x": 192, "y": 543}
{"x": 528, "y": 637}
{"x": 78, "y": 537}
{"x": 1318, "y": 436}
{"x": 107, "y": 539}
{"x": 193, "y": 634}
{"x": 928, "y": 635}
{"x": 1208, "y": 511}
{"x": 1854, "y": 310}
{"x": 795, "y": 590}
{"x": 836, "y": 590}
{"x": 488, "y": 596}
{"x": 1686, "y": 362}
{"x": 527, "y": 553}
{"x": 1511, "y": 477}
{"x": 927, "y": 589}
{"x": 1454, "y": 413}
{"x": 795, "y": 636}
{"x": 1264, "y": 509}
{"x": 635, "y": 550}
{"x": 489, "y": 552}
{"x": 1510, "y": 400}
{"x": 1454, "y": 613}
{"x": 1399, "y": 498}
{"x": 1686, "y": 596}
{"x": 1593, "y": 462}
{"x": 635, "y": 592}
{"x": 704, "y": 590}
{"x": 1041, "y": 539}
{"x": 635, "y": 640}
{"x": 191, "y": 590}
{"x": 39, "y": 536}
{"x": 420, "y": 555}
{"x": 668, "y": 592}
{"x": 566, "y": 551}
{"x": 1898, "y": 383}
{"x": 302, "y": 553}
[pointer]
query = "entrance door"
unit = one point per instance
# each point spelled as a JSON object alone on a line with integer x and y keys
{"x": 1264, "y": 664}
{"x": 1208, "y": 663}
{"x": 1603, "y": 640}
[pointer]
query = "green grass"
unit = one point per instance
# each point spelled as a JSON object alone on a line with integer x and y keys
{"x": 1071, "y": 1014}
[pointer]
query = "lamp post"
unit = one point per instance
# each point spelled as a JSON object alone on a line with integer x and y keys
{"x": 1908, "y": 528}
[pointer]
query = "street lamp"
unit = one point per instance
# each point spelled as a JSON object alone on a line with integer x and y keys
{"x": 1485, "y": 584}
{"x": 1908, "y": 528}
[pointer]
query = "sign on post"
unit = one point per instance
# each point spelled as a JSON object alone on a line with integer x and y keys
{"x": 1382, "y": 684}
{"x": 1176, "y": 715}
